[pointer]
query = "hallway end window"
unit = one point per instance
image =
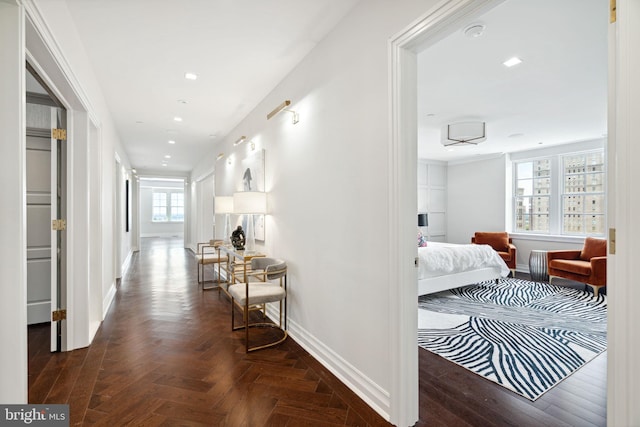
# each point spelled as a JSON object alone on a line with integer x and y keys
{"x": 168, "y": 206}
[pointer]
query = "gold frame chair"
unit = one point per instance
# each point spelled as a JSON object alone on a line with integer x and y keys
{"x": 206, "y": 254}
{"x": 255, "y": 295}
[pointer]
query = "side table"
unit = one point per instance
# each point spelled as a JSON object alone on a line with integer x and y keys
{"x": 538, "y": 266}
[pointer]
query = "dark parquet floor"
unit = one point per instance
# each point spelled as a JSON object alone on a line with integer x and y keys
{"x": 165, "y": 356}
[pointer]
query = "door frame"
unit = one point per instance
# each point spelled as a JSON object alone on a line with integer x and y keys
{"x": 624, "y": 97}
{"x": 42, "y": 52}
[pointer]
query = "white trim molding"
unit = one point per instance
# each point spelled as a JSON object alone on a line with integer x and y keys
{"x": 108, "y": 299}
{"x": 623, "y": 374}
{"x": 402, "y": 196}
{"x": 13, "y": 244}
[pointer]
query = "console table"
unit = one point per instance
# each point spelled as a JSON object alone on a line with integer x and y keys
{"x": 538, "y": 266}
{"x": 237, "y": 258}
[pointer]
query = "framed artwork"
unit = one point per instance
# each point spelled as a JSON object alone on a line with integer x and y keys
{"x": 127, "y": 207}
{"x": 250, "y": 177}
{"x": 251, "y": 173}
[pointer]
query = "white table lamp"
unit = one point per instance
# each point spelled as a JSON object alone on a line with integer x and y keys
{"x": 224, "y": 205}
{"x": 250, "y": 203}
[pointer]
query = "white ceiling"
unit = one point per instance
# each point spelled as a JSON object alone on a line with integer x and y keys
{"x": 558, "y": 94}
{"x": 240, "y": 50}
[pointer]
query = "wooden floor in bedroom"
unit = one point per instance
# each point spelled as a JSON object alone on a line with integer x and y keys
{"x": 452, "y": 396}
{"x": 165, "y": 355}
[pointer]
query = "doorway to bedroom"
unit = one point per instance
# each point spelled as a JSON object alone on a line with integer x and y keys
{"x": 461, "y": 78}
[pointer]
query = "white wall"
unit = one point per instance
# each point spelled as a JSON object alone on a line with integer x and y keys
{"x": 476, "y": 198}
{"x": 327, "y": 179}
{"x": 13, "y": 252}
{"x": 432, "y": 198}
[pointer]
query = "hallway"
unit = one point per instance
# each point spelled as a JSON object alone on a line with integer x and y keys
{"x": 165, "y": 355}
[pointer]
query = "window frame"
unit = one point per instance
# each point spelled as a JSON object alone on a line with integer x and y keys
{"x": 556, "y": 194}
{"x": 168, "y": 208}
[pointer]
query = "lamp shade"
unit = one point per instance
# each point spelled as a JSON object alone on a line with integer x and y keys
{"x": 223, "y": 204}
{"x": 250, "y": 202}
{"x": 423, "y": 220}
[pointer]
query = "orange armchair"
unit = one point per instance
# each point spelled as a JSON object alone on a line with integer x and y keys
{"x": 501, "y": 243}
{"x": 588, "y": 266}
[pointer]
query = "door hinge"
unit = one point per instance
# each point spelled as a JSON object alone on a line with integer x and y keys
{"x": 58, "y": 224}
{"x": 612, "y": 241}
{"x": 58, "y": 315}
{"x": 612, "y": 11}
{"x": 59, "y": 134}
{"x": 415, "y": 262}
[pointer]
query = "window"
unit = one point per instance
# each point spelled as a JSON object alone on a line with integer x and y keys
{"x": 583, "y": 199}
{"x": 562, "y": 194}
{"x": 168, "y": 206}
{"x": 177, "y": 206}
{"x": 533, "y": 194}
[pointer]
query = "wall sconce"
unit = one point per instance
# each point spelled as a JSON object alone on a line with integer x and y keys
{"x": 221, "y": 155}
{"x": 283, "y": 107}
{"x": 252, "y": 145}
{"x": 240, "y": 140}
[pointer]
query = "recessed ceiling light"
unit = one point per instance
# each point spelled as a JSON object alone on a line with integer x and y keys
{"x": 430, "y": 114}
{"x": 182, "y": 101}
{"x": 177, "y": 119}
{"x": 167, "y": 156}
{"x": 220, "y": 155}
{"x": 240, "y": 140}
{"x": 190, "y": 76}
{"x": 516, "y": 135}
{"x": 164, "y": 164}
{"x": 512, "y": 61}
{"x": 139, "y": 122}
{"x": 171, "y": 141}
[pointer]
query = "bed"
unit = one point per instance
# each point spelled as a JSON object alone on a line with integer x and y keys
{"x": 444, "y": 266}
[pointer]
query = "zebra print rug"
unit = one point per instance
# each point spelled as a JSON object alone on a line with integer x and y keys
{"x": 525, "y": 336}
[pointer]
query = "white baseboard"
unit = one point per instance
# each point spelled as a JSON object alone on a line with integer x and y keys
{"x": 108, "y": 299}
{"x": 38, "y": 312}
{"x": 374, "y": 395}
{"x": 167, "y": 234}
{"x": 126, "y": 263}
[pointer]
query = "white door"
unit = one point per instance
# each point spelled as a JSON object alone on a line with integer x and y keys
{"x": 45, "y": 192}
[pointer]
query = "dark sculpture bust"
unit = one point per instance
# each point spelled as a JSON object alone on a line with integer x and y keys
{"x": 237, "y": 238}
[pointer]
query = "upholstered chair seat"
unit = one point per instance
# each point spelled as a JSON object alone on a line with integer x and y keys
{"x": 267, "y": 283}
{"x": 588, "y": 266}
{"x": 259, "y": 293}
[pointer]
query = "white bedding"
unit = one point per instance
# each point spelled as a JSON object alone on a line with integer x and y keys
{"x": 440, "y": 259}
